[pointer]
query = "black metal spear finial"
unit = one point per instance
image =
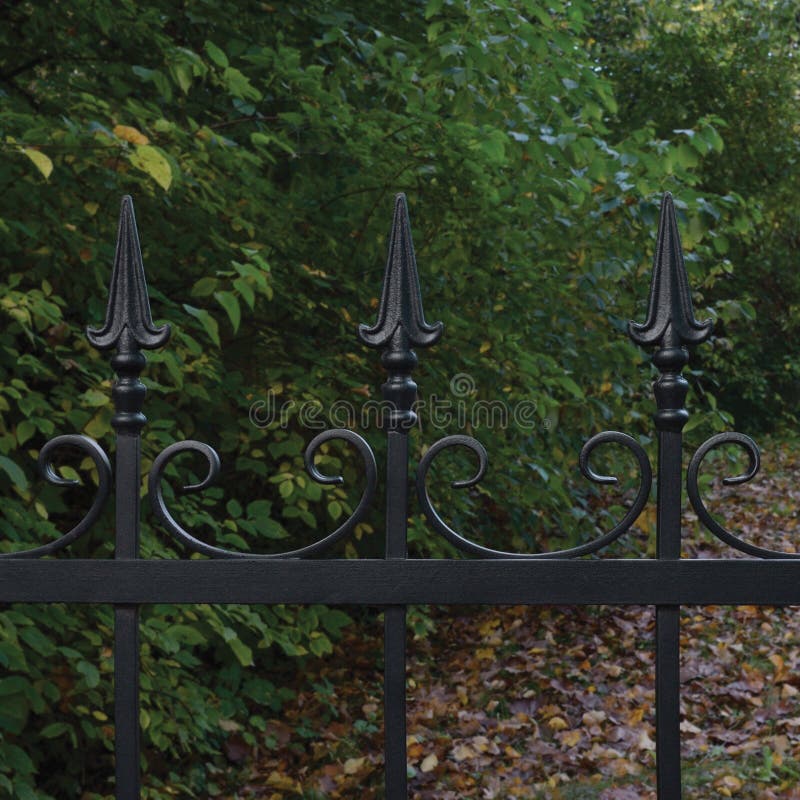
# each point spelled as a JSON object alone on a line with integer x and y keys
{"x": 129, "y": 324}
{"x": 128, "y": 304}
{"x": 670, "y": 322}
{"x": 401, "y": 298}
{"x": 401, "y": 322}
{"x": 670, "y": 316}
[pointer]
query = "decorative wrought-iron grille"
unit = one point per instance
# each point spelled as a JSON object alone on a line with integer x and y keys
{"x": 493, "y": 577}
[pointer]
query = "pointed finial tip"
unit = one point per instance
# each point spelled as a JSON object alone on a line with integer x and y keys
{"x": 670, "y": 319}
{"x": 400, "y": 206}
{"x": 128, "y": 313}
{"x": 401, "y": 298}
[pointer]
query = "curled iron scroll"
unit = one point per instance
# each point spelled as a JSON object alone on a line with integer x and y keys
{"x": 163, "y": 513}
{"x": 473, "y": 548}
{"x": 49, "y": 473}
{"x": 693, "y": 490}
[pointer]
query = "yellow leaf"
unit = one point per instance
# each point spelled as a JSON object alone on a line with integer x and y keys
{"x": 557, "y": 724}
{"x": 150, "y": 160}
{"x": 353, "y": 765}
{"x": 281, "y": 781}
{"x": 486, "y": 346}
{"x": 129, "y": 134}
{"x": 570, "y": 738}
{"x": 485, "y": 653}
{"x": 634, "y": 718}
{"x": 430, "y": 763}
{"x": 42, "y": 162}
{"x": 91, "y": 208}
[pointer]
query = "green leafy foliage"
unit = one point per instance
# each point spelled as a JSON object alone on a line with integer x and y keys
{"x": 263, "y": 148}
{"x": 736, "y": 62}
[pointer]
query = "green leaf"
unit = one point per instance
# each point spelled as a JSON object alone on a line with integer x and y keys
{"x": 55, "y": 729}
{"x": 205, "y": 287}
{"x": 151, "y": 160}
{"x": 687, "y": 156}
{"x": 244, "y": 655}
{"x": 320, "y": 645}
{"x": 14, "y": 472}
{"x": 183, "y": 76}
{"x": 206, "y": 320}
{"x": 99, "y": 425}
{"x": 239, "y": 85}
{"x": 245, "y": 290}
{"x": 90, "y": 673}
{"x": 95, "y": 398}
{"x": 231, "y": 305}
{"x": 571, "y": 387}
{"x": 25, "y": 430}
{"x": 216, "y": 55}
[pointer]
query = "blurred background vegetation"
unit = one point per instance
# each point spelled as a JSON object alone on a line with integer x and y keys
{"x": 263, "y": 143}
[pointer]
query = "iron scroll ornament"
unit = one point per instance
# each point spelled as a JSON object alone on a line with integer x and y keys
{"x": 466, "y": 545}
{"x": 196, "y": 545}
{"x": 49, "y": 473}
{"x": 693, "y": 490}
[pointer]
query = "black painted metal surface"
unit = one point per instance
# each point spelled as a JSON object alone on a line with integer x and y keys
{"x": 493, "y": 577}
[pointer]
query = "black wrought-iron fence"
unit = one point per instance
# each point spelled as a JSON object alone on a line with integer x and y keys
{"x": 493, "y": 577}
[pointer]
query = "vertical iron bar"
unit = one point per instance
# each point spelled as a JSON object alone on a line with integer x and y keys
{"x": 126, "y": 622}
{"x": 399, "y": 392}
{"x": 670, "y": 325}
{"x": 668, "y": 703}
{"x": 400, "y": 326}
{"x": 394, "y": 621}
{"x": 128, "y": 328}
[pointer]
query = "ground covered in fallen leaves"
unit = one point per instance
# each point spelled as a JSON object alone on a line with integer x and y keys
{"x": 519, "y": 702}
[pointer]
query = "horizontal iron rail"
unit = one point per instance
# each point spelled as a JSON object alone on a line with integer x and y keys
{"x": 401, "y": 582}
